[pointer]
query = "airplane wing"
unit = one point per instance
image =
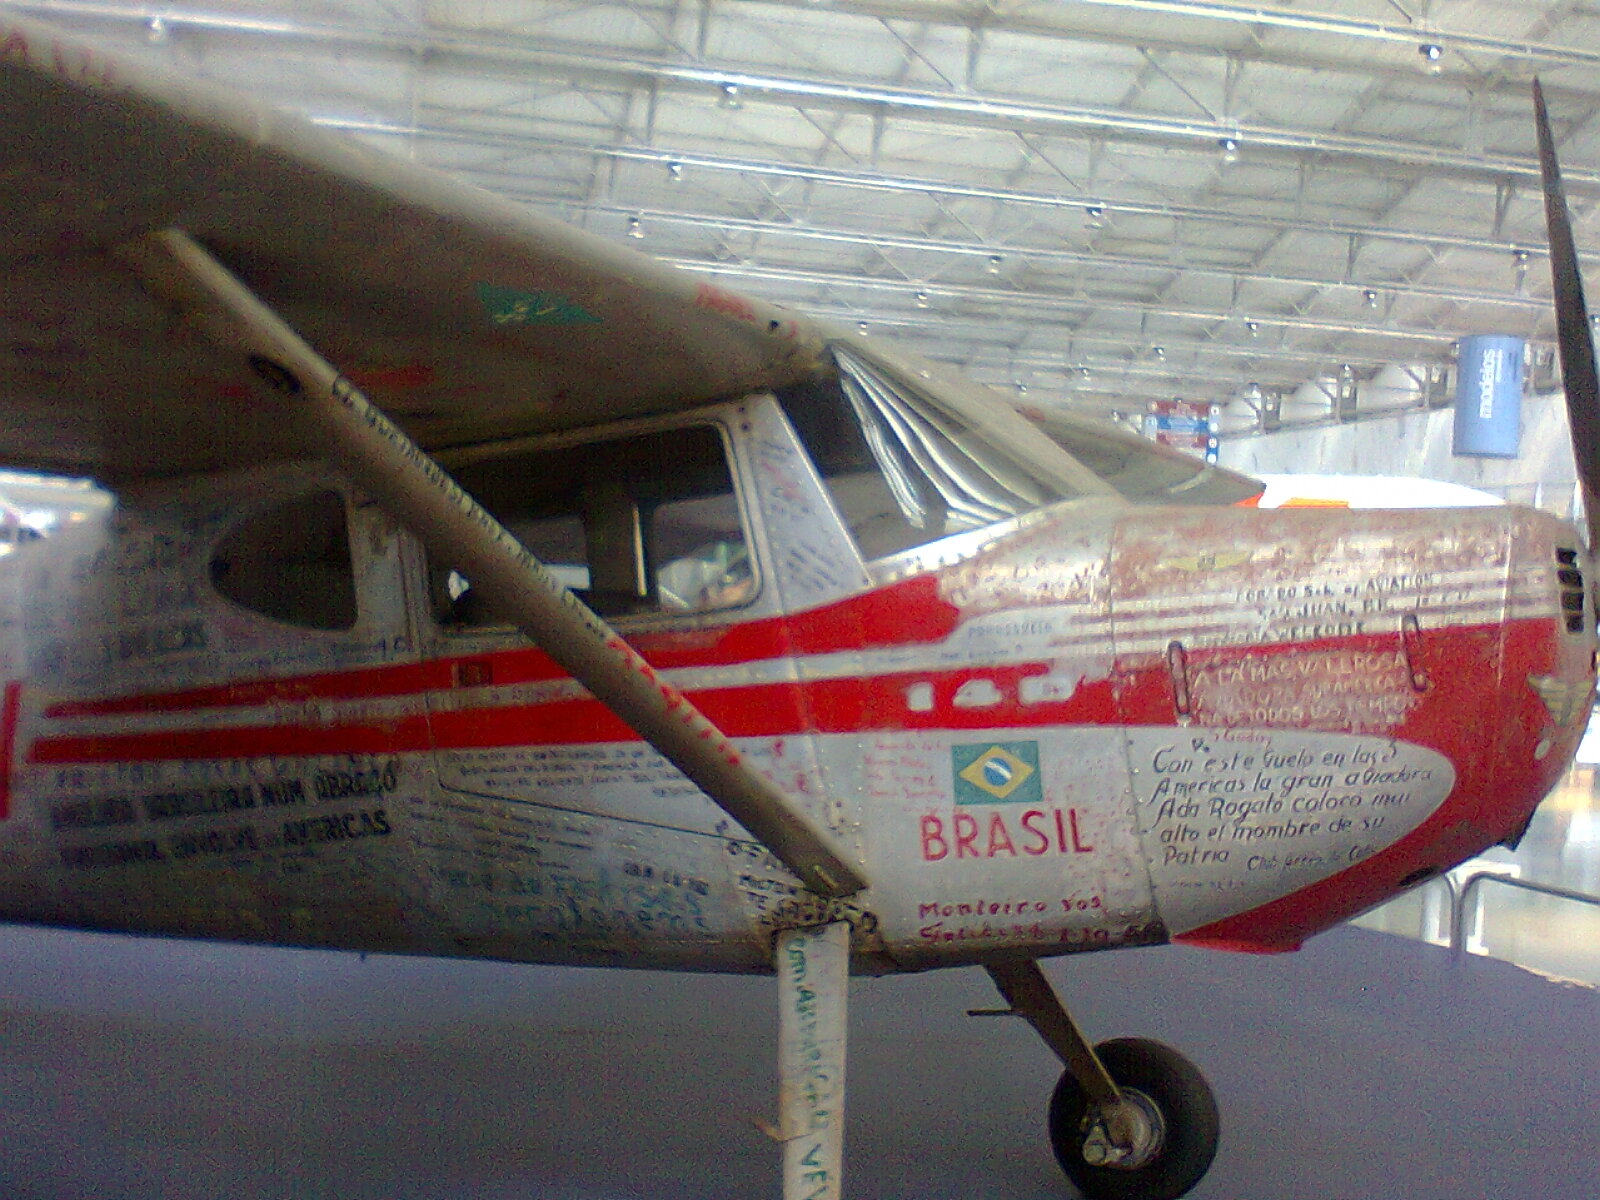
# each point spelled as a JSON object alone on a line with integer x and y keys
{"x": 1142, "y": 471}
{"x": 466, "y": 317}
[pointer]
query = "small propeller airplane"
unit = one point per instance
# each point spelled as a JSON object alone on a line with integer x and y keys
{"x": 478, "y": 588}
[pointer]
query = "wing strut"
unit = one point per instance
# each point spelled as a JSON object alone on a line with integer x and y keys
{"x": 813, "y": 985}
{"x": 345, "y": 428}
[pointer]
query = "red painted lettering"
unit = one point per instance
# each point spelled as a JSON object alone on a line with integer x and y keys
{"x": 999, "y": 838}
{"x": 1077, "y": 841}
{"x": 717, "y": 300}
{"x": 1043, "y": 844}
{"x": 964, "y": 835}
{"x": 966, "y": 832}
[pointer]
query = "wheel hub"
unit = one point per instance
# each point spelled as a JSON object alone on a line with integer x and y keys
{"x": 1124, "y": 1136}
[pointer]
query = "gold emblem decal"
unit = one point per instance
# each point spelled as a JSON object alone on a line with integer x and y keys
{"x": 1564, "y": 700}
{"x": 1216, "y": 561}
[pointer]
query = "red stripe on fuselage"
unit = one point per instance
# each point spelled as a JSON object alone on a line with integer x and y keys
{"x": 10, "y": 708}
{"x": 909, "y": 613}
{"x": 1138, "y": 694}
{"x": 761, "y": 710}
{"x": 408, "y": 735}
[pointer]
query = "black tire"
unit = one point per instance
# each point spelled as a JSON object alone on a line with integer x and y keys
{"x": 1176, "y": 1088}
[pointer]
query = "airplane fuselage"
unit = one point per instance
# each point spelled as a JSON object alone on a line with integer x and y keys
{"x": 1086, "y": 727}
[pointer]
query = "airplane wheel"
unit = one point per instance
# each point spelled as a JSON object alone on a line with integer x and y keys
{"x": 1174, "y": 1115}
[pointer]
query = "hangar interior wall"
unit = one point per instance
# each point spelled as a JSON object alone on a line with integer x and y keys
{"x": 1417, "y": 444}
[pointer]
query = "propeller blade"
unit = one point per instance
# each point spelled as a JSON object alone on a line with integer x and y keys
{"x": 1578, "y": 375}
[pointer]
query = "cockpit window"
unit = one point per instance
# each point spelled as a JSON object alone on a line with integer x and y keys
{"x": 291, "y": 563}
{"x": 904, "y": 470}
{"x": 647, "y": 523}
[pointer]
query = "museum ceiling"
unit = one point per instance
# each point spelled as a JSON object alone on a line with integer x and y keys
{"x": 1093, "y": 203}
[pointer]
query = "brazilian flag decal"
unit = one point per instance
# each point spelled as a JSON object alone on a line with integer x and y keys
{"x": 997, "y": 773}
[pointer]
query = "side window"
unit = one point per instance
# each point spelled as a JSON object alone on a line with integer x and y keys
{"x": 639, "y": 524}
{"x": 291, "y": 563}
{"x": 702, "y": 557}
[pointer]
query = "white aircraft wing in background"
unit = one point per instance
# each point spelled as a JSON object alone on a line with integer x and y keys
{"x": 1369, "y": 491}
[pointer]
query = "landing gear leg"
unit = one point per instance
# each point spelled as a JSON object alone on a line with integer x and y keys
{"x": 1131, "y": 1119}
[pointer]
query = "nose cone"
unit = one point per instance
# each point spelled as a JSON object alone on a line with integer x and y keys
{"x": 1481, "y": 641}
{"x": 1547, "y": 670}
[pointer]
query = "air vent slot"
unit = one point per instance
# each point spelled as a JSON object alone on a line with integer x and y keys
{"x": 1570, "y": 578}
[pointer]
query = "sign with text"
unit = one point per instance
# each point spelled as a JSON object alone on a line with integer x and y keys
{"x": 1184, "y": 425}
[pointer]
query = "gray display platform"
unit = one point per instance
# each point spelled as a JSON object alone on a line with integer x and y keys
{"x": 1364, "y": 1066}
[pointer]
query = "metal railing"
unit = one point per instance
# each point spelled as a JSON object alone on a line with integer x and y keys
{"x": 1461, "y": 896}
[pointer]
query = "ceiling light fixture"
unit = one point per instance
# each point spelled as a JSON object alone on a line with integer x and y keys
{"x": 1230, "y": 149}
{"x": 1370, "y": 298}
{"x": 635, "y": 227}
{"x": 1432, "y": 54}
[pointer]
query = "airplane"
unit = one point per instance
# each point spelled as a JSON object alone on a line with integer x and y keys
{"x": 479, "y": 588}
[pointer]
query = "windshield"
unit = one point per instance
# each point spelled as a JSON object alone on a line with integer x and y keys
{"x": 903, "y": 469}
{"x": 908, "y": 463}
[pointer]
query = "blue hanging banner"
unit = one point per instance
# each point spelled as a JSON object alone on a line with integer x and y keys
{"x": 1489, "y": 396}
